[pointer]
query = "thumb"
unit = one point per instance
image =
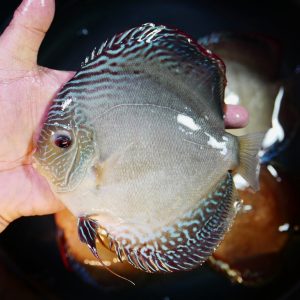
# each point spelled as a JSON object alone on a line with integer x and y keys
{"x": 21, "y": 40}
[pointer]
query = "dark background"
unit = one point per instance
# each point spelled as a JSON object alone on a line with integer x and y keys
{"x": 30, "y": 266}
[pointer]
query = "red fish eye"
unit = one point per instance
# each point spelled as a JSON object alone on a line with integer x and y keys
{"x": 63, "y": 141}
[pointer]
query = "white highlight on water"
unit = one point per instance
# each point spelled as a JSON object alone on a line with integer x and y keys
{"x": 187, "y": 122}
{"x": 273, "y": 172}
{"x": 97, "y": 263}
{"x": 240, "y": 183}
{"x": 217, "y": 145}
{"x": 276, "y": 133}
{"x": 232, "y": 98}
{"x": 284, "y": 227}
{"x": 247, "y": 208}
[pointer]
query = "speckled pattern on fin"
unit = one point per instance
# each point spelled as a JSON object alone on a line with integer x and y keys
{"x": 189, "y": 242}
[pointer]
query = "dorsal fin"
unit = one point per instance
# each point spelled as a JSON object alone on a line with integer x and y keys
{"x": 176, "y": 54}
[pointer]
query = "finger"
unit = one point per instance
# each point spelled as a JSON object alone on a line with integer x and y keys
{"x": 3, "y": 223}
{"x": 21, "y": 40}
{"x": 62, "y": 76}
{"x": 236, "y": 116}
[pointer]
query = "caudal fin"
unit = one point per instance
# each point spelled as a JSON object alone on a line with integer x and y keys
{"x": 249, "y": 167}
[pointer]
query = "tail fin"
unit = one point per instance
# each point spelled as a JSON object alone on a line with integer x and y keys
{"x": 249, "y": 159}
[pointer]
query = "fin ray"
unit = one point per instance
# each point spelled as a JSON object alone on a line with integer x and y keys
{"x": 88, "y": 234}
{"x": 249, "y": 166}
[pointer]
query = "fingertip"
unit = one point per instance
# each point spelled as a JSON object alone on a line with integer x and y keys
{"x": 236, "y": 116}
{"x": 21, "y": 40}
{"x": 37, "y": 14}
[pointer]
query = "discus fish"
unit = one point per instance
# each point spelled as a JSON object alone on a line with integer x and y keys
{"x": 135, "y": 146}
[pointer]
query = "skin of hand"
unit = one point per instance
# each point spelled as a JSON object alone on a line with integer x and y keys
{"x": 26, "y": 90}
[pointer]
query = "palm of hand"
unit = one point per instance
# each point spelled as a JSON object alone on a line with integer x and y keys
{"x": 24, "y": 97}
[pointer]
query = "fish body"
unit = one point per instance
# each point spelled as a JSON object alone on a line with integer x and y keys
{"x": 135, "y": 146}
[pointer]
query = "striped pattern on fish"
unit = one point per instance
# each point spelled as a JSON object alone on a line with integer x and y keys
{"x": 105, "y": 73}
{"x": 135, "y": 146}
{"x": 181, "y": 246}
{"x": 190, "y": 241}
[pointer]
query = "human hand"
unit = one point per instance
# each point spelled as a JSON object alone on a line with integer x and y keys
{"x": 26, "y": 90}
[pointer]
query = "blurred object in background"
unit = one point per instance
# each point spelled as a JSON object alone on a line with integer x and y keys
{"x": 252, "y": 252}
{"x": 253, "y": 62}
{"x": 252, "y": 65}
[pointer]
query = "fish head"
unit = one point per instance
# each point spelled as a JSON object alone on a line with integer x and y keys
{"x": 65, "y": 147}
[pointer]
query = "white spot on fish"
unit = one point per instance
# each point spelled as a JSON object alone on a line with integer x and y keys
{"x": 188, "y": 122}
{"x": 206, "y": 117}
{"x": 217, "y": 145}
{"x": 225, "y": 138}
{"x": 93, "y": 54}
{"x": 276, "y": 133}
{"x": 66, "y": 103}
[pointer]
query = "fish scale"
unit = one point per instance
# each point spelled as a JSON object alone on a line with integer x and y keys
{"x": 144, "y": 153}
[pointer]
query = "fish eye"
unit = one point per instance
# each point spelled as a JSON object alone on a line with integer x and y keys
{"x": 62, "y": 139}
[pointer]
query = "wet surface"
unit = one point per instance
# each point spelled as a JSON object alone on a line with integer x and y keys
{"x": 30, "y": 263}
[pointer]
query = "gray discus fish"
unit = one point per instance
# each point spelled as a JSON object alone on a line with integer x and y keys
{"x": 135, "y": 146}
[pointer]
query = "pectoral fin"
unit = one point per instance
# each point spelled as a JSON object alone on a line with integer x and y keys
{"x": 87, "y": 232}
